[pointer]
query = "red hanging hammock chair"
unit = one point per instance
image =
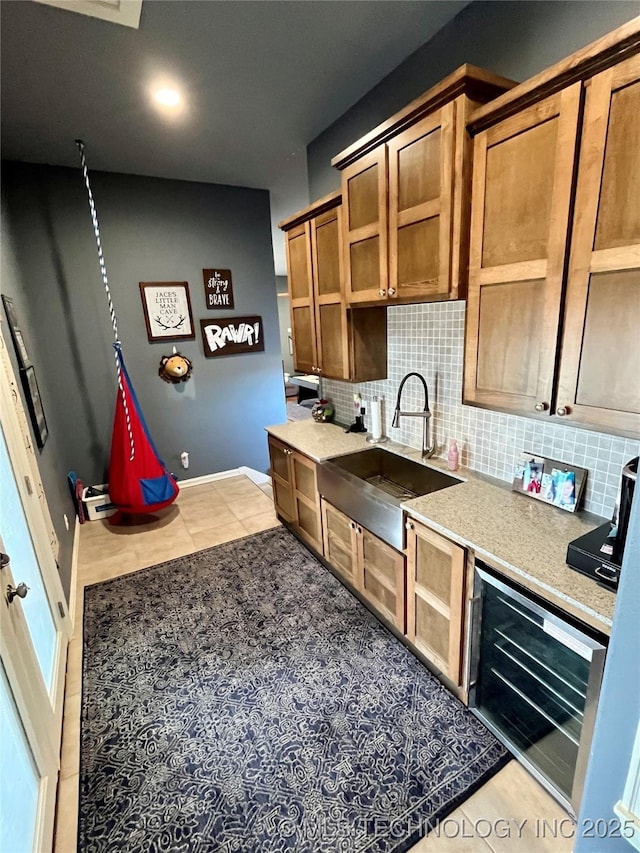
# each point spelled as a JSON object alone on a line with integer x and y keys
{"x": 139, "y": 482}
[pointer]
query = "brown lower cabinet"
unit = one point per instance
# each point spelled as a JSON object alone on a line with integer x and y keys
{"x": 435, "y": 598}
{"x": 372, "y": 567}
{"x": 422, "y": 595}
{"x": 295, "y": 491}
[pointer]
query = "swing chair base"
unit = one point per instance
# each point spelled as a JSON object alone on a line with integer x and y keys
{"x": 129, "y": 516}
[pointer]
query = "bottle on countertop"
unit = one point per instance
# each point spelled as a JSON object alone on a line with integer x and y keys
{"x": 453, "y": 455}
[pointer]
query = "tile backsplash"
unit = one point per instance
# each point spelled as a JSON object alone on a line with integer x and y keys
{"x": 429, "y": 339}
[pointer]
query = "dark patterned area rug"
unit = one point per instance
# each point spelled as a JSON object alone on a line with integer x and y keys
{"x": 241, "y": 699}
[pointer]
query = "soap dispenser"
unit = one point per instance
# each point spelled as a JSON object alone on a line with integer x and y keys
{"x": 452, "y": 455}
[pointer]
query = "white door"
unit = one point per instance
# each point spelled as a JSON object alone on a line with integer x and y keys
{"x": 34, "y": 632}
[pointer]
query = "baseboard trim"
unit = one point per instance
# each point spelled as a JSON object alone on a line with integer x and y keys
{"x": 73, "y": 583}
{"x": 255, "y": 476}
{"x": 209, "y": 478}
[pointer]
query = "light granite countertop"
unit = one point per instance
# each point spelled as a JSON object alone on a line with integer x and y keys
{"x": 523, "y": 539}
{"x": 319, "y": 441}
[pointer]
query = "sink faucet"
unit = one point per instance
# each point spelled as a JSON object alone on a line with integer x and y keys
{"x": 427, "y": 449}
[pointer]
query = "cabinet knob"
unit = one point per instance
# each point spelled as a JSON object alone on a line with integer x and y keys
{"x": 409, "y": 525}
{"x": 541, "y": 407}
{"x": 392, "y": 291}
{"x": 563, "y": 410}
{"x": 382, "y": 293}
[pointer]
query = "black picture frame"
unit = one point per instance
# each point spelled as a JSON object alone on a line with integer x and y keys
{"x": 232, "y": 336}
{"x": 218, "y": 289}
{"x": 167, "y": 311}
{"x": 34, "y": 405}
{"x": 16, "y": 333}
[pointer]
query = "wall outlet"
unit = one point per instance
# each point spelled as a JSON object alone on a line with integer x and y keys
{"x": 184, "y": 458}
{"x": 66, "y": 521}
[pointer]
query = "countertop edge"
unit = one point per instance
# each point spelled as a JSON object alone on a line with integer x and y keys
{"x": 596, "y": 620}
{"x": 322, "y": 442}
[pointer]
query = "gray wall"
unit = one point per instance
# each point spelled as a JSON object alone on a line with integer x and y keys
{"x": 152, "y": 230}
{"x": 50, "y": 458}
{"x": 515, "y": 39}
{"x": 619, "y": 708}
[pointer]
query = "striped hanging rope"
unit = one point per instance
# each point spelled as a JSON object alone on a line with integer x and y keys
{"x": 117, "y": 346}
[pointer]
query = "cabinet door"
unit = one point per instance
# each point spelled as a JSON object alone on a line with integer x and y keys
{"x": 282, "y": 480}
{"x": 382, "y": 577}
{"x": 307, "y": 500}
{"x": 330, "y": 311}
{"x": 298, "y": 241}
{"x": 599, "y": 369}
{"x": 339, "y": 538}
{"x": 420, "y": 207}
{"x": 521, "y": 198}
{"x": 435, "y": 590}
{"x": 364, "y": 202}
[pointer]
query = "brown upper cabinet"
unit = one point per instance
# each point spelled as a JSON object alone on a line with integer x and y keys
{"x": 328, "y": 338}
{"x": 599, "y": 376}
{"x": 405, "y": 190}
{"x": 554, "y": 268}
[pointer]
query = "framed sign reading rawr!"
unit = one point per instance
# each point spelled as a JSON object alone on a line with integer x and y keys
{"x": 232, "y": 336}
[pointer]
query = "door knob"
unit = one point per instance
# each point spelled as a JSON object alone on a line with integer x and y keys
{"x": 5, "y": 559}
{"x": 21, "y": 591}
{"x": 541, "y": 407}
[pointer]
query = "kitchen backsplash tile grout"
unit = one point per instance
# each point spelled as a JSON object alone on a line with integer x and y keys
{"x": 429, "y": 338}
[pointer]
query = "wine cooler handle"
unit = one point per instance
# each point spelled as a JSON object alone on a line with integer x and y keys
{"x": 473, "y": 639}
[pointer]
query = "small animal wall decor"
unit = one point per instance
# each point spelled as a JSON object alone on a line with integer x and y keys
{"x": 175, "y": 368}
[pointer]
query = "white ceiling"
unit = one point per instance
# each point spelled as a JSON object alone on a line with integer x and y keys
{"x": 262, "y": 78}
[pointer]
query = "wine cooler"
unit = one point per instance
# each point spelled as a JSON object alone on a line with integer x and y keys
{"x": 534, "y": 680}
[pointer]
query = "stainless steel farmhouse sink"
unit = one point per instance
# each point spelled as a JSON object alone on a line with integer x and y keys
{"x": 370, "y": 485}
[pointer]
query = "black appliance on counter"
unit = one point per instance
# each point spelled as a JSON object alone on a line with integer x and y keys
{"x": 598, "y": 554}
{"x": 534, "y": 680}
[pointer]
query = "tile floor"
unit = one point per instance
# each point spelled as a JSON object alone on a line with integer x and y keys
{"x": 506, "y": 814}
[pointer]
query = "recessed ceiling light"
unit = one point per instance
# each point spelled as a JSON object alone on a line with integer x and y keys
{"x": 167, "y": 97}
